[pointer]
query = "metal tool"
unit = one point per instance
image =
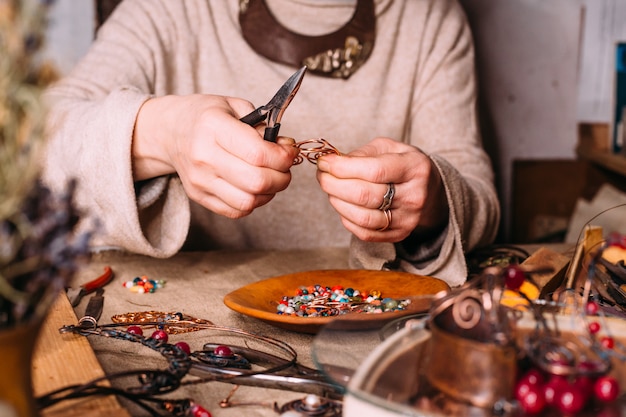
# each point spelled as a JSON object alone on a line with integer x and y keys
{"x": 274, "y": 109}
{"x": 292, "y": 376}
{"x": 93, "y": 311}
{"x": 76, "y": 294}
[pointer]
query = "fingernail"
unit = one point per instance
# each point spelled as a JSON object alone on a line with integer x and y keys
{"x": 322, "y": 165}
{"x": 285, "y": 140}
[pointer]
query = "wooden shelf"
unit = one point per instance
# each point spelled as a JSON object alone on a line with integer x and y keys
{"x": 593, "y": 142}
{"x": 613, "y": 162}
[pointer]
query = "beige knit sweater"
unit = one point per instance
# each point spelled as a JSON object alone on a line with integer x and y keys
{"x": 418, "y": 86}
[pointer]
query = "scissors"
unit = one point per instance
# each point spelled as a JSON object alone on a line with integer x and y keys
{"x": 274, "y": 109}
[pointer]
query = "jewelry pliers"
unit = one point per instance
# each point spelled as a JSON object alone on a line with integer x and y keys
{"x": 274, "y": 109}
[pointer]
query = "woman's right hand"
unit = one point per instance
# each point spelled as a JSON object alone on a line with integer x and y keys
{"x": 223, "y": 164}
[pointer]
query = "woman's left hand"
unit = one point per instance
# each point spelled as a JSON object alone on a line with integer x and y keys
{"x": 356, "y": 184}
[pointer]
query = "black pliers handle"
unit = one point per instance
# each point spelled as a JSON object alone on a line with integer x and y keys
{"x": 274, "y": 109}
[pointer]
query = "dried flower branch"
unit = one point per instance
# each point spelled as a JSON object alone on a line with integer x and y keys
{"x": 38, "y": 249}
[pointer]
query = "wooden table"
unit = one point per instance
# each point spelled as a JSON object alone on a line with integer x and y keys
{"x": 66, "y": 359}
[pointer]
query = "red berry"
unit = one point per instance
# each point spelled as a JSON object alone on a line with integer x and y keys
{"x": 522, "y": 388}
{"x": 606, "y": 388}
{"x": 570, "y": 399}
{"x": 533, "y": 377}
{"x": 594, "y": 327}
{"x": 135, "y": 330}
{"x": 531, "y": 398}
{"x": 607, "y": 342}
{"x": 584, "y": 385}
{"x": 553, "y": 388}
{"x": 514, "y": 277}
{"x": 160, "y": 335}
{"x": 184, "y": 347}
{"x": 223, "y": 350}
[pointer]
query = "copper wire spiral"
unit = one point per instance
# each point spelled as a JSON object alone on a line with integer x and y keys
{"x": 313, "y": 149}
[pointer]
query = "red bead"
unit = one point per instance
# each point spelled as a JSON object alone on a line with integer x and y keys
{"x": 514, "y": 277}
{"x": 160, "y": 335}
{"x": 607, "y": 342}
{"x": 223, "y": 350}
{"x": 592, "y": 308}
{"x": 184, "y": 346}
{"x": 594, "y": 327}
{"x": 135, "y": 330}
{"x": 199, "y": 411}
{"x": 606, "y": 388}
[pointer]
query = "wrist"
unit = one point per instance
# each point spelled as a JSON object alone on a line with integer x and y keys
{"x": 150, "y": 137}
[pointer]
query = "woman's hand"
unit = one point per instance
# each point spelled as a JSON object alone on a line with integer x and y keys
{"x": 357, "y": 182}
{"x": 224, "y": 164}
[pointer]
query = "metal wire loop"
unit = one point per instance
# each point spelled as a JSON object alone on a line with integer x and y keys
{"x": 313, "y": 149}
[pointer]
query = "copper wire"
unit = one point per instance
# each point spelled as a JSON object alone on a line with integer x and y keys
{"x": 313, "y": 149}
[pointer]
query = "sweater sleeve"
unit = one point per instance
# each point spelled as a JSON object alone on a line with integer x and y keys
{"x": 444, "y": 124}
{"x": 92, "y": 114}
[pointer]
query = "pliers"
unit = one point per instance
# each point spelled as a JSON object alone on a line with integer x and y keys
{"x": 274, "y": 109}
{"x": 77, "y": 293}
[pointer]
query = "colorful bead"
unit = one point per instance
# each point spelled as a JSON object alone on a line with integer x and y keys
{"x": 320, "y": 301}
{"x": 143, "y": 284}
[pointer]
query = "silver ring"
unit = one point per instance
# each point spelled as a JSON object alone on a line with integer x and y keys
{"x": 388, "y": 197}
{"x": 388, "y": 218}
{"x": 88, "y": 322}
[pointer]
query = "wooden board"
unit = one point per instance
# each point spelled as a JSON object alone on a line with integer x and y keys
{"x": 65, "y": 359}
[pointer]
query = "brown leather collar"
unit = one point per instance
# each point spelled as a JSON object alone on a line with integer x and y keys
{"x": 338, "y": 54}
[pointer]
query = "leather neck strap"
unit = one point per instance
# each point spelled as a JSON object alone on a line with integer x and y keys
{"x": 338, "y": 54}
